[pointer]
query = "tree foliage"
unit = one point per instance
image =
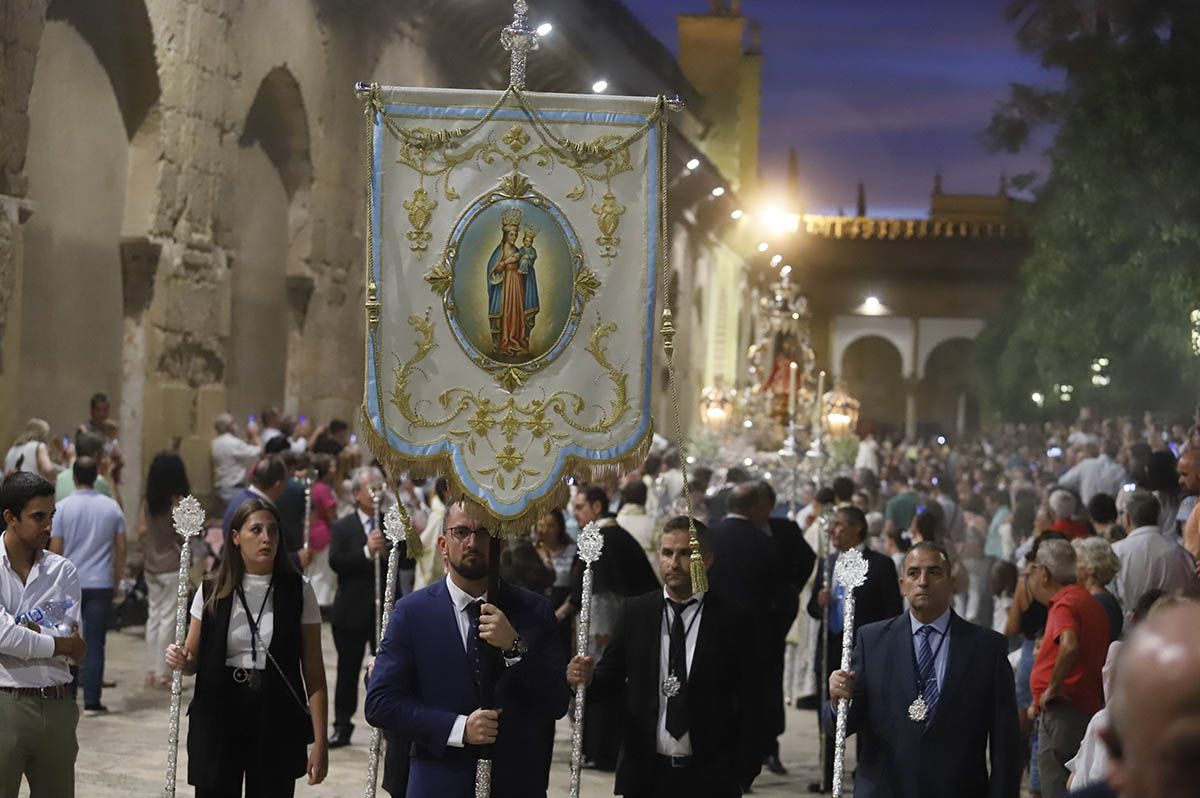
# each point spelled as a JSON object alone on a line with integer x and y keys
{"x": 1114, "y": 269}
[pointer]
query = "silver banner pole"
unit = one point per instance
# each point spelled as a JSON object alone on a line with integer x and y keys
{"x": 395, "y": 525}
{"x": 850, "y": 573}
{"x": 188, "y": 516}
{"x": 591, "y": 544}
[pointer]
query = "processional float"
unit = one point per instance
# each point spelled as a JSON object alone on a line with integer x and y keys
{"x": 515, "y": 255}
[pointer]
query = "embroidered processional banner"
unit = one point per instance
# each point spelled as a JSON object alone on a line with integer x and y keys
{"x": 513, "y": 254}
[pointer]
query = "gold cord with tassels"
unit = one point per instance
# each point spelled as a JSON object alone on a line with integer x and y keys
{"x": 699, "y": 576}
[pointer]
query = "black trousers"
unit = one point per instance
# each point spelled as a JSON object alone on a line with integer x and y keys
{"x": 262, "y": 779}
{"x": 679, "y": 782}
{"x": 835, "y": 662}
{"x": 351, "y": 645}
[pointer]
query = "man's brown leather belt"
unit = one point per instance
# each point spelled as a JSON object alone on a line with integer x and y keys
{"x": 54, "y": 691}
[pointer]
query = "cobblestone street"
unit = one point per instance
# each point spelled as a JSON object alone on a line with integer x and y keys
{"x": 123, "y": 753}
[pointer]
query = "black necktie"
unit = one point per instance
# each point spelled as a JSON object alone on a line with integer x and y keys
{"x": 473, "y": 655}
{"x": 677, "y": 716}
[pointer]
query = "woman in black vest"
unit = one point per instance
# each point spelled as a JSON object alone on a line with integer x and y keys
{"x": 254, "y": 644}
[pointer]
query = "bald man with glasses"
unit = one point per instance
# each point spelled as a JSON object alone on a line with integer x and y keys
{"x": 427, "y": 683}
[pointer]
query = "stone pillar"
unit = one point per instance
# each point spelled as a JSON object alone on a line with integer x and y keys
{"x": 14, "y": 212}
{"x": 139, "y": 263}
{"x": 960, "y": 416}
{"x": 910, "y": 407}
{"x": 299, "y": 292}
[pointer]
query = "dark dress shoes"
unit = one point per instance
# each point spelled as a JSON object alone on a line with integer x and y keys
{"x": 340, "y": 738}
{"x": 773, "y": 764}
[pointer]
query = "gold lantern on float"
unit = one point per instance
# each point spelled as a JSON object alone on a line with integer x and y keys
{"x": 841, "y": 410}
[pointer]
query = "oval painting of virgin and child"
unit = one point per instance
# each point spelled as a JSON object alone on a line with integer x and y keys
{"x": 513, "y": 281}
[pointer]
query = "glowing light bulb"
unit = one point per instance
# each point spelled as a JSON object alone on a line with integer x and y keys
{"x": 693, "y": 164}
{"x": 544, "y": 29}
{"x": 600, "y": 86}
{"x": 737, "y": 214}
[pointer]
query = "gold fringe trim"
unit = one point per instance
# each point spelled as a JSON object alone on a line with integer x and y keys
{"x": 503, "y": 526}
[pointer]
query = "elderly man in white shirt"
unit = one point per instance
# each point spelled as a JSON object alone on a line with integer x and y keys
{"x": 1148, "y": 558}
{"x": 1101, "y": 474}
{"x": 231, "y": 458}
{"x": 38, "y": 715}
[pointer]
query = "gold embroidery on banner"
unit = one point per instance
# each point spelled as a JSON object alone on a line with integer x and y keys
{"x": 521, "y": 425}
{"x": 608, "y": 214}
{"x": 420, "y": 212}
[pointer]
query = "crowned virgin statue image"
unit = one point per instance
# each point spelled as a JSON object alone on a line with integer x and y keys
{"x": 512, "y": 288}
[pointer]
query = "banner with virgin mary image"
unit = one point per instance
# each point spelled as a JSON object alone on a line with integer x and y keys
{"x": 514, "y": 250}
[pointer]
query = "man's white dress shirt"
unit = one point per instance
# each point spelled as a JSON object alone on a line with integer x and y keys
{"x": 231, "y": 456}
{"x": 1149, "y": 560}
{"x": 27, "y": 657}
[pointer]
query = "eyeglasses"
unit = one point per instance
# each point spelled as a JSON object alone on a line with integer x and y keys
{"x": 461, "y": 533}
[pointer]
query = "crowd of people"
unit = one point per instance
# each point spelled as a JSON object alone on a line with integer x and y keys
{"x": 1003, "y": 573}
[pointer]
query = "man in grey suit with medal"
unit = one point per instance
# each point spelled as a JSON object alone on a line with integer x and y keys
{"x": 931, "y": 697}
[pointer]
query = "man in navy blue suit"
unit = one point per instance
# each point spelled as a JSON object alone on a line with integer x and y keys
{"x": 426, "y": 685}
{"x": 932, "y": 696}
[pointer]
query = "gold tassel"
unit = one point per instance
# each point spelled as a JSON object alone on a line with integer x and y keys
{"x": 699, "y": 575}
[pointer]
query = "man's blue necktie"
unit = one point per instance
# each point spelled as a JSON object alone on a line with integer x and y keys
{"x": 927, "y": 668}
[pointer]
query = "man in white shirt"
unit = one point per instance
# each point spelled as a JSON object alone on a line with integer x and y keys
{"x": 90, "y": 532}
{"x": 633, "y": 518}
{"x": 231, "y": 457}
{"x": 37, "y": 714}
{"x": 1101, "y": 474}
{"x": 1148, "y": 558}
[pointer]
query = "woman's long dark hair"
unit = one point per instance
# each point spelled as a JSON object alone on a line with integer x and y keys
{"x": 166, "y": 479}
{"x": 232, "y": 568}
{"x": 560, "y": 522}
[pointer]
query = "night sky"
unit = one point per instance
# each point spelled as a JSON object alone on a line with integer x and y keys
{"x": 883, "y": 91}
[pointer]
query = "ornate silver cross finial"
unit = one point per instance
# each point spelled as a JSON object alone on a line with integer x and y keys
{"x": 393, "y": 525}
{"x": 590, "y": 543}
{"x": 519, "y": 39}
{"x": 851, "y": 569}
{"x": 188, "y": 516}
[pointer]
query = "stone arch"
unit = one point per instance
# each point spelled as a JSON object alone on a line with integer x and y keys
{"x": 946, "y": 402}
{"x": 932, "y": 332}
{"x": 93, "y": 111}
{"x": 872, "y": 369}
{"x": 122, "y": 39}
{"x": 270, "y": 228}
{"x": 846, "y": 330}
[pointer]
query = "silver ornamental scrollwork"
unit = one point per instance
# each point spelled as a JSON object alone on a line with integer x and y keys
{"x": 590, "y": 546}
{"x": 851, "y": 573}
{"x": 395, "y": 527}
{"x": 189, "y": 517}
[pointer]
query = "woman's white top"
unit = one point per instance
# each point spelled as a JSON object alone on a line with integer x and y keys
{"x": 237, "y": 642}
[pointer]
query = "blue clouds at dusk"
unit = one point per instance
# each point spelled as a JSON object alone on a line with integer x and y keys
{"x": 883, "y": 91}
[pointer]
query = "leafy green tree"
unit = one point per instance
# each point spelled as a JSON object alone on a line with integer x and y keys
{"x": 1114, "y": 270}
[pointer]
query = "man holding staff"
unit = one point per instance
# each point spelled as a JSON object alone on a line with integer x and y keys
{"x": 683, "y": 669}
{"x": 931, "y": 697}
{"x": 427, "y": 682}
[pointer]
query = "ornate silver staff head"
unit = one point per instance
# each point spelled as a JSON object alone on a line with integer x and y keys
{"x": 590, "y": 543}
{"x": 393, "y": 525}
{"x": 851, "y": 569}
{"x": 188, "y": 516}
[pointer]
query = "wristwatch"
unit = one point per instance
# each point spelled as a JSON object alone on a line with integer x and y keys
{"x": 519, "y": 649}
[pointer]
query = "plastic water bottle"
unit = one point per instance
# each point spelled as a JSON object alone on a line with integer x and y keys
{"x": 51, "y": 615}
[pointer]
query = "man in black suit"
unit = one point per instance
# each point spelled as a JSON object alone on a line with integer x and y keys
{"x": 877, "y": 599}
{"x": 796, "y": 561}
{"x": 623, "y": 572}
{"x": 678, "y": 664}
{"x": 932, "y": 697}
{"x": 749, "y": 573}
{"x": 357, "y": 547}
